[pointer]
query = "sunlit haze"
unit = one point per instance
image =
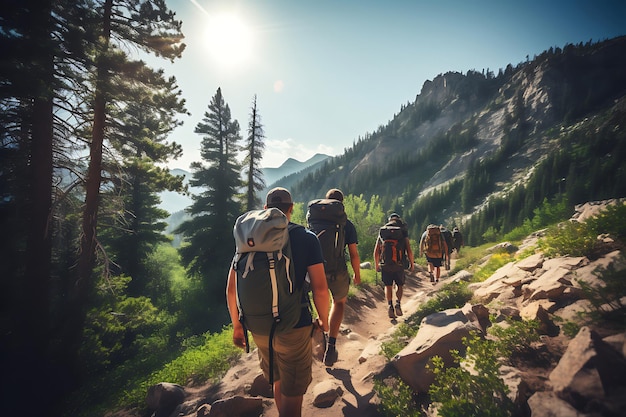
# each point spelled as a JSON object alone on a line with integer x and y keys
{"x": 327, "y": 72}
{"x": 229, "y": 41}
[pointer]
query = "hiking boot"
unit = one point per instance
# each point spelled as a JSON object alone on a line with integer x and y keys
{"x": 398, "y": 309}
{"x": 392, "y": 314}
{"x": 330, "y": 356}
{"x": 432, "y": 277}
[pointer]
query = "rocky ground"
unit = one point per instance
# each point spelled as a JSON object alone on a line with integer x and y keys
{"x": 365, "y": 326}
{"x": 534, "y": 288}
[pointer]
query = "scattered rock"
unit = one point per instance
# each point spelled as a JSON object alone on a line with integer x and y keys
{"x": 164, "y": 397}
{"x": 325, "y": 393}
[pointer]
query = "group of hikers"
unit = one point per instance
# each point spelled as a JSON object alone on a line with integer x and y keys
{"x": 277, "y": 263}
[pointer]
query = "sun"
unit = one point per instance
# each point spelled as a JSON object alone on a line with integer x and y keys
{"x": 229, "y": 39}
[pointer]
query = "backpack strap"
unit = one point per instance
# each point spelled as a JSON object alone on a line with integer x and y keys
{"x": 272, "y": 268}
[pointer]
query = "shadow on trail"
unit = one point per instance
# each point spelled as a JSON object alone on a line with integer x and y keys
{"x": 363, "y": 407}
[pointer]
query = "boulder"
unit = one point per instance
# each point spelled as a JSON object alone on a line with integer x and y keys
{"x": 537, "y": 311}
{"x": 325, "y": 393}
{"x": 366, "y": 265}
{"x": 438, "y": 334}
{"x": 518, "y": 388}
{"x": 547, "y": 404}
{"x": 261, "y": 387}
{"x": 233, "y": 407}
{"x": 531, "y": 263}
{"x": 589, "y": 370}
{"x": 164, "y": 397}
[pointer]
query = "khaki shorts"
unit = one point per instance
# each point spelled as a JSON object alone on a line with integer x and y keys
{"x": 293, "y": 359}
{"x": 338, "y": 284}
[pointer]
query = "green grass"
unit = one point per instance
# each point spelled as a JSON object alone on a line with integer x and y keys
{"x": 207, "y": 359}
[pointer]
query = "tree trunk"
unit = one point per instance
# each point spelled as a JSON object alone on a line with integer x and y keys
{"x": 79, "y": 299}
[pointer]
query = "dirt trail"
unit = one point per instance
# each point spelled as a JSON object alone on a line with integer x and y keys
{"x": 366, "y": 324}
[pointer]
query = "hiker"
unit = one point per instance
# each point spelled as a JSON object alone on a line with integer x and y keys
{"x": 289, "y": 367}
{"x": 391, "y": 251}
{"x": 433, "y": 245}
{"x": 327, "y": 219}
{"x": 457, "y": 240}
{"x": 447, "y": 235}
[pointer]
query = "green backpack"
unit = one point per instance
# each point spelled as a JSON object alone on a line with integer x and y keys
{"x": 268, "y": 297}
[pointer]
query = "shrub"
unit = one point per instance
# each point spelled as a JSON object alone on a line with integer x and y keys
{"x": 472, "y": 387}
{"x": 607, "y": 300}
{"x": 610, "y": 220}
{"x": 568, "y": 239}
{"x": 516, "y": 337}
{"x": 396, "y": 398}
{"x": 495, "y": 262}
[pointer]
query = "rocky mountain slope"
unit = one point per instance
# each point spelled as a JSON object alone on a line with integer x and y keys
{"x": 520, "y": 114}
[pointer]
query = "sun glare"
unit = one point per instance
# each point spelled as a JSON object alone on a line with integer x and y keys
{"x": 229, "y": 39}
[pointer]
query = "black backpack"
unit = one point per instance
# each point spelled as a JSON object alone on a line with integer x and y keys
{"x": 392, "y": 246}
{"x": 327, "y": 219}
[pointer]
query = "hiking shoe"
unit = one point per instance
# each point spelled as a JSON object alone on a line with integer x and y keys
{"x": 392, "y": 314}
{"x": 330, "y": 356}
{"x": 398, "y": 309}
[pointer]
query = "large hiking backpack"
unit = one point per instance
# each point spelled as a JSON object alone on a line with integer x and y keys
{"x": 392, "y": 250}
{"x": 268, "y": 298}
{"x": 327, "y": 219}
{"x": 433, "y": 242}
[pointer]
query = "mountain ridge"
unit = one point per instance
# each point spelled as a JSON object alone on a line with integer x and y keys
{"x": 476, "y": 136}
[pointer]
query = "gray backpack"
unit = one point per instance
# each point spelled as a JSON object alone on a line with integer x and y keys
{"x": 268, "y": 297}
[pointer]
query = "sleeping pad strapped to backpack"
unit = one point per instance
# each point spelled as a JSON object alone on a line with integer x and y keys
{"x": 327, "y": 219}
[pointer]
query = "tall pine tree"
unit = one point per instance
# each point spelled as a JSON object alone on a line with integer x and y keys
{"x": 254, "y": 148}
{"x": 208, "y": 242}
{"x": 120, "y": 25}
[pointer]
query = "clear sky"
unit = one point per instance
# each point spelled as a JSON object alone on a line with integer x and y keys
{"x": 328, "y": 71}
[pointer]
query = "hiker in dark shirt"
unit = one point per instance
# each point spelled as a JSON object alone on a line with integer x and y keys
{"x": 393, "y": 273}
{"x": 293, "y": 356}
{"x": 339, "y": 284}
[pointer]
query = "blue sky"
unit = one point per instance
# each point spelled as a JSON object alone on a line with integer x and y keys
{"x": 326, "y": 72}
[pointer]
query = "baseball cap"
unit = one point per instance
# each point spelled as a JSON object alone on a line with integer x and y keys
{"x": 393, "y": 216}
{"x": 334, "y": 194}
{"x": 278, "y": 195}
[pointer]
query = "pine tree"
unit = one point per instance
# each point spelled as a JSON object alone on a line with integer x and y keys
{"x": 115, "y": 26}
{"x": 254, "y": 147}
{"x": 208, "y": 242}
{"x": 138, "y": 134}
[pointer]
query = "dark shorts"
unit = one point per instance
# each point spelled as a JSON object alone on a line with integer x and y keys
{"x": 389, "y": 276}
{"x": 437, "y": 262}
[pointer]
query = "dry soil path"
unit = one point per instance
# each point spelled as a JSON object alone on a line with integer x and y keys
{"x": 366, "y": 325}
